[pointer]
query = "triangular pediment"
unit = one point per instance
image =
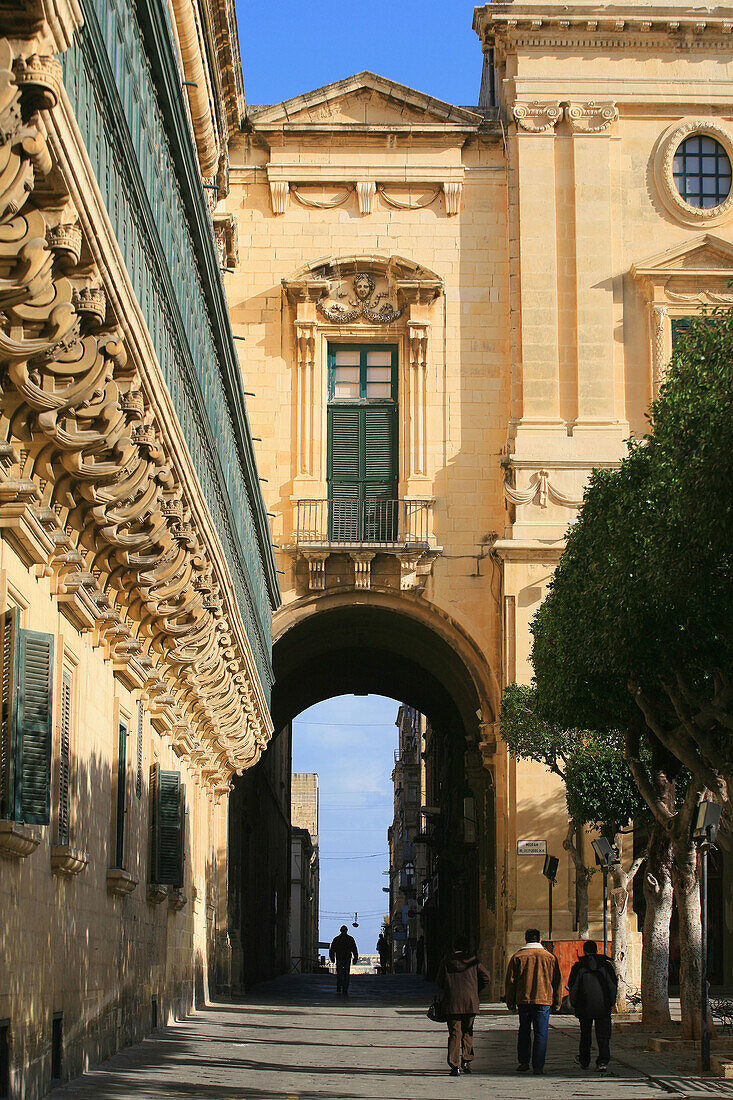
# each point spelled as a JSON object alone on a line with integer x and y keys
{"x": 703, "y": 254}
{"x": 364, "y": 100}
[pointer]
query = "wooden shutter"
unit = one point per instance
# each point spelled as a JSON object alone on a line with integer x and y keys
{"x": 167, "y": 854}
{"x": 31, "y": 748}
{"x": 121, "y": 795}
{"x": 344, "y": 443}
{"x": 64, "y": 758}
{"x": 8, "y": 647}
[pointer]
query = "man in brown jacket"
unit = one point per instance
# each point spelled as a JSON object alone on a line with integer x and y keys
{"x": 461, "y": 976}
{"x": 533, "y": 987}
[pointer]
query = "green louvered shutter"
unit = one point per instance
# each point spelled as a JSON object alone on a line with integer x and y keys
{"x": 344, "y": 470}
{"x": 167, "y": 861}
{"x": 380, "y": 472}
{"x": 31, "y": 746}
{"x": 8, "y": 646}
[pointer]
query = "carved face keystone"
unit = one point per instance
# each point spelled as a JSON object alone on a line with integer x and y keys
{"x": 363, "y": 286}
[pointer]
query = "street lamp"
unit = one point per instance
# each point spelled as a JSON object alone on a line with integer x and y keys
{"x": 704, "y": 832}
{"x": 550, "y": 872}
{"x": 606, "y": 856}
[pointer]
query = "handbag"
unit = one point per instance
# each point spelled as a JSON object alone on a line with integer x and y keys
{"x": 436, "y": 1012}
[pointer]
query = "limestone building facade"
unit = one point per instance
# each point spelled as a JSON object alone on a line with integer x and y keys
{"x": 453, "y": 314}
{"x": 137, "y": 579}
{"x": 304, "y": 872}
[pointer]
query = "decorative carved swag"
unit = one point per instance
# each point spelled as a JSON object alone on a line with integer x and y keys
{"x": 543, "y": 488}
{"x": 86, "y": 473}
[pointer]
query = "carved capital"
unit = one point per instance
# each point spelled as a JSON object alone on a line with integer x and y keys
{"x": 591, "y": 118}
{"x": 537, "y": 118}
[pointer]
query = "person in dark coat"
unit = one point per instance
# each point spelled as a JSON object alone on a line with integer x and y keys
{"x": 592, "y": 987}
{"x": 383, "y": 952}
{"x": 461, "y": 977}
{"x": 342, "y": 951}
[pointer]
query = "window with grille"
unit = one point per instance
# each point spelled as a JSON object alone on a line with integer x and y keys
{"x": 702, "y": 171}
{"x": 25, "y": 722}
{"x": 63, "y": 832}
{"x": 362, "y": 442}
{"x": 139, "y": 754}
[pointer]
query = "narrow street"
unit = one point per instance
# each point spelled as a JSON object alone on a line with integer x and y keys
{"x": 293, "y": 1040}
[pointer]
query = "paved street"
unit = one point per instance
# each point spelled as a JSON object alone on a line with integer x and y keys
{"x": 292, "y": 1040}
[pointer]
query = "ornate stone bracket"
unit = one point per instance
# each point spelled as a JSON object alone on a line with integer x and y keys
{"x": 120, "y": 882}
{"x": 365, "y": 192}
{"x": 362, "y": 560}
{"x": 453, "y": 192}
{"x": 316, "y": 569}
{"x": 66, "y": 860}
{"x": 279, "y": 193}
{"x": 17, "y": 840}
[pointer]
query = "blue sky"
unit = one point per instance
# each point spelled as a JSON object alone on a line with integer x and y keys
{"x": 350, "y": 741}
{"x": 289, "y": 47}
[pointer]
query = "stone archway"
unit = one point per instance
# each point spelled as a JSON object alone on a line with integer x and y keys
{"x": 374, "y": 642}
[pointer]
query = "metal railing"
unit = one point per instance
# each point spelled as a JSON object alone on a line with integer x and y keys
{"x": 395, "y": 523}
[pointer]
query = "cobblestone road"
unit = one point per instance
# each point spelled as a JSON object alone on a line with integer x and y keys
{"x": 293, "y": 1040}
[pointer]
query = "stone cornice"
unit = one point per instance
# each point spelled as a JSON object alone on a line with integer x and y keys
{"x": 529, "y": 24}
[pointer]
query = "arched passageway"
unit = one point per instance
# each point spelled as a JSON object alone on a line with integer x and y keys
{"x": 372, "y": 645}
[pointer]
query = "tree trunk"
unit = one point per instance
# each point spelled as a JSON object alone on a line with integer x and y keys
{"x": 572, "y": 844}
{"x": 621, "y": 881}
{"x": 687, "y": 896}
{"x": 655, "y": 947}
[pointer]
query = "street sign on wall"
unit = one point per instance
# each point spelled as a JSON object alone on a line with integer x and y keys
{"x": 531, "y": 847}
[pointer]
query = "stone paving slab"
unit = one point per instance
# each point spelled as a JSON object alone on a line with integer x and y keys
{"x": 294, "y": 1040}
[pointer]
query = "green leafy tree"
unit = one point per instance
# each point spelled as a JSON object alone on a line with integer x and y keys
{"x": 599, "y": 793}
{"x": 636, "y": 631}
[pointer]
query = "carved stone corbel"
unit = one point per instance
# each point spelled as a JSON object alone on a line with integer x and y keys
{"x": 279, "y": 194}
{"x": 365, "y": 192}
{"x": 316, "y": 569}
{"x": 453, "y": 193}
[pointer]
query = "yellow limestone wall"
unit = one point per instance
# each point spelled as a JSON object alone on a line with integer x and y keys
{"x": 68, "y": 945}
{"x": 561, "y": 274}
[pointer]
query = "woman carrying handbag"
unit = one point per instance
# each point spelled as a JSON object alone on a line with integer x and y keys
{"x": 460, "y": 977}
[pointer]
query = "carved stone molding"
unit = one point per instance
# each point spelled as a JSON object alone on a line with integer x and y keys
{"x": 120, "y": 882}
{"x": 366, "y": 304}
{"x": 365, "y": 192}
{"x": 537, "y": 118}
{"x": 664, "y": 156}
{"x": 543, "y": 490}
{"x": 279, "y": 192}
{"x": 453, "y": 192}
{"x": 17, "y": 841}
{"x": 305, "y": 342}
{"x": 416, "y": 397}
{"x": 66, "y": 860}
{"x": 661, "y": 345}
{"x": 591, "y": 118}
{"x": 316, "y": 569}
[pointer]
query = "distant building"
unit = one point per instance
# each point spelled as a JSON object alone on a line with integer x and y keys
{"x": 304, "y": 869}
{"x": 405, "y": 925}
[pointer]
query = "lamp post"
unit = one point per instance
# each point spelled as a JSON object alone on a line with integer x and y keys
{"x": 704, "y": 832}
{"x": 550, "y": 872}
{"x": 606, "y": 855}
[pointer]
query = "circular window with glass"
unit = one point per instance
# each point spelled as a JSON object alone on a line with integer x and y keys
{"x": 702, "y": 172}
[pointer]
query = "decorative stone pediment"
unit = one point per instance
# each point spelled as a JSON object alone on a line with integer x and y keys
{"x": 703, "y": 255}
{"x": 682, "y": 282}
{"x": 363, "y": 100}
{"x": 363, "y": 289}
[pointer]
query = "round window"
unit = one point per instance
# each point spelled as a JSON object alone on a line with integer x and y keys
{"x": 702, "y": 172}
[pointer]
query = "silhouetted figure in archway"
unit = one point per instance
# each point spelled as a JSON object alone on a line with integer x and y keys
{"x": 383, "y": 952}
{"x": 342, "y": 951}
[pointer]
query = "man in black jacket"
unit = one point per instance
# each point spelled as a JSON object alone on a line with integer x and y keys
{"x": 592, "y": 987}
{"x": 342, "y": 951}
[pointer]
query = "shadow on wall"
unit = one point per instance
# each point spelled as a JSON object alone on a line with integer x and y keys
{"x": 108, "y": 966}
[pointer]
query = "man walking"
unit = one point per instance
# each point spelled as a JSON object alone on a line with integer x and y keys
{"x": 342, "y": 951}
{"x": 592, "y": 986}
{"x": 383, "y": 952}
{"x": 461, "y": 978}
{"x": 533, "y": 988}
